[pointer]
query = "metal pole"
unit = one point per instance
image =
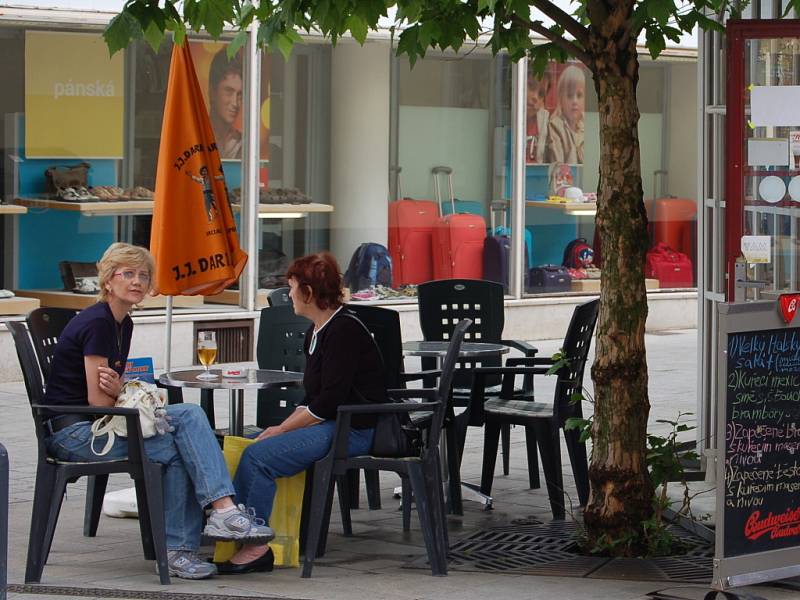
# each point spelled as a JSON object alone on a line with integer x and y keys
{"x": 168, "y": 343}
{"x": 3, "y": 521}
{"x": 519, "y": 82}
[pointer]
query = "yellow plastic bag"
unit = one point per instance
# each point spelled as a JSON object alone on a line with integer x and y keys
{"x": 286, "y": 510}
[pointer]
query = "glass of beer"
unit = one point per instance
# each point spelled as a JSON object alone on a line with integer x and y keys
{"x": 206, "y": 352}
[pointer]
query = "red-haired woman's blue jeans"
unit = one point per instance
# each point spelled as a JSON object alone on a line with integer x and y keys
{"x": 285, "y": 455}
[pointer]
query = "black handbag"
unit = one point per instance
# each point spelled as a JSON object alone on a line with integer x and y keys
{"x": 391, "y": 438}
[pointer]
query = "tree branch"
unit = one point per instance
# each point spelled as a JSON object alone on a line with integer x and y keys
{"x": 564, "y": 19}
{"x": 559, "y": 41}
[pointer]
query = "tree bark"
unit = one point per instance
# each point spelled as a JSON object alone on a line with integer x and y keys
{"x": 621, "y": 492}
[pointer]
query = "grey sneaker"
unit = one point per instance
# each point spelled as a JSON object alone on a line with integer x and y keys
{"x": 239, "y": 524}
{"x": 187, "y": 565}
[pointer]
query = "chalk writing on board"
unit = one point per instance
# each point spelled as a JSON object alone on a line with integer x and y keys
{"x": 762, "y": 442}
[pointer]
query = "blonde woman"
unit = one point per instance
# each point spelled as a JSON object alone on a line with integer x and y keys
{"x": 87, "y": 369}
{"x": 565, "y": 131}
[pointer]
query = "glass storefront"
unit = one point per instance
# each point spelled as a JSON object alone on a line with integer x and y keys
{"x": 348, "y": 138}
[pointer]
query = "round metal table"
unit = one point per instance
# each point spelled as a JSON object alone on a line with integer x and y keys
{"x": 255, "y": 379}
{"x": 468, "y": 349}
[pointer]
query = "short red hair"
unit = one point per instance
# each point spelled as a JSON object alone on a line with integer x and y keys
{"x": 321, "y": 273}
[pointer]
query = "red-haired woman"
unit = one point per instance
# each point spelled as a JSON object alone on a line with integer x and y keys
{"x": 343, "y": 366}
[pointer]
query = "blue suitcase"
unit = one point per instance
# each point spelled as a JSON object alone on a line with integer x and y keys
{"x": 546, "y": 279}
{"x": 497, "y": 249}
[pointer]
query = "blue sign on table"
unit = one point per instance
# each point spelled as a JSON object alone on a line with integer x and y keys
{"x": 140, "y": 368}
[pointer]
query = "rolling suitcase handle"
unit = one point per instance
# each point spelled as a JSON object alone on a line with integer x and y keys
{"x": 397, "y": 170}
{"x": 436, "y": 172}
{"x": 498, "y": 206}
{"x": 661, "y": 175}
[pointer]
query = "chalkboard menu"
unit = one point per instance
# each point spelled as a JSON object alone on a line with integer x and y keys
{"x": 762, "y": 442}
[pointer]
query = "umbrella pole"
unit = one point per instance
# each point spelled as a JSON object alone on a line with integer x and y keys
{"x": 168, "y": 348}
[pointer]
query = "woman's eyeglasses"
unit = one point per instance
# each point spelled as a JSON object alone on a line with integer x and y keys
{"x": 129, "y": 275}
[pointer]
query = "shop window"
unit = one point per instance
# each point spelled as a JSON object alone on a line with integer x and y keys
{"x": 449, "y": 156}
{"x": 562, "y": 252}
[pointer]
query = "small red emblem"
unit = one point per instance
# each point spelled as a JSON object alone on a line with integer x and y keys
{"x": 788, "y": 304}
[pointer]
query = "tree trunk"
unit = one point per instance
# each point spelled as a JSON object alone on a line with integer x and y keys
{"x": 621, "y": 491}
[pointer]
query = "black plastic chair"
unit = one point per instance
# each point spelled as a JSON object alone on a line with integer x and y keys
{"x": 279, "y": 297}
{"x": 281, "y": 335}
{"x": 53, "y": 475}
{"x": 444, "y": 303}
{"x": 423, "y": 471}
{"x": 544, "y": 418}
{"x": 45, "y": 325}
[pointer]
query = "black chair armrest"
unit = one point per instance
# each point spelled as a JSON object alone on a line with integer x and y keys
{"x": 524, "y": 347}
{"x": 427, "y": 393}
{"x": 528, "y": 361}
{"x": 385, "y": 408}
{"x": 510, "y": 370}
{"x": 86, "y": 410}
{"x": 339, "y": 445}
{"x": 420, "y": 375}
{"x": 135, "y": 438}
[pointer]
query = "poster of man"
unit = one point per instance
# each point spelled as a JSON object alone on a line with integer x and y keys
{"x": 556, "y": 103}
{"x": 221, "y": 80}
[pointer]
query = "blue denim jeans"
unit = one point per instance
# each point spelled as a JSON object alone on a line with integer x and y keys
{"x": 285, "y": 455}
{"x": 195, "y": 472}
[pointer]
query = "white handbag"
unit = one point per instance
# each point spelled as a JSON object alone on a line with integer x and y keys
{"x": 146, "y": 397}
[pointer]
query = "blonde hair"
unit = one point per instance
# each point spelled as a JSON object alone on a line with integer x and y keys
{"x": 569, "y": 80}
{"x": 118, "y": 255}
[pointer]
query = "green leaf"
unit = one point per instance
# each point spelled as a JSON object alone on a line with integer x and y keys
{"x": 654, "y": 41}
{"x": 239, "y": 40}
{"x": 284, "y": 44}
{"x": 212, "y": 15}
{"x": 487, "y": 5}
{"x": 357, "y": 27}
{"x": 428, "y": 30}
{"x": 154, "y": 36}
{"x": 120, "y": 31}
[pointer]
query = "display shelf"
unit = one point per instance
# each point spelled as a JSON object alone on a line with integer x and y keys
{"x": 100, "y": 208}
{"x": 18, "y": 306}
{"x": 12, "y": 209}
{"x": 570, "y": 208}
{"x": 62, "y": 299}
{"x": 593, "y": 285}
{"x": 232, "y": 297}
{"x": 267, "y": 209}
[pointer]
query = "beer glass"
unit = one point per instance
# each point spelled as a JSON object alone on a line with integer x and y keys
{"x": 206, "y": 352}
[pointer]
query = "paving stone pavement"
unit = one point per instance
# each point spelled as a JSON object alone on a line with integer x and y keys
{"x": 371, "y": 564}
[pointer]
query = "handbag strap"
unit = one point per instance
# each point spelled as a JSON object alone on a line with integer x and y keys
{"x": 350, "y": 315}
{"x": 103, "y": 426}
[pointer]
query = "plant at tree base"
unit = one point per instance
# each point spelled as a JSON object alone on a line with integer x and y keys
{"x": 602, "y": 34}
{"x": 665, "y": 464}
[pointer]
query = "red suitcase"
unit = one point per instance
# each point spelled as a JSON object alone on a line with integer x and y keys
{"x": 457, "y": 239}
{"x": 672, "y": 269}
{"x": 410, "y": 229}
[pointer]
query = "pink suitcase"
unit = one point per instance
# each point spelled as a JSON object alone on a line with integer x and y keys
{"x": 457, "y": 239}
{"x": 411, "y": 225}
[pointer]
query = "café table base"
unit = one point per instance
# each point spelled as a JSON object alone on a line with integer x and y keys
{"x": 236, "y": 412}
{"x": 469, "y": 491}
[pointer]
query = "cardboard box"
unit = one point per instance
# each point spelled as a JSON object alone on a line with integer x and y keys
{"x": 593, "y": 285}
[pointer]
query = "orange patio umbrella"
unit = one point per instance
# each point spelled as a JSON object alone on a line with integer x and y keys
{"x": 193, "y": 237}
